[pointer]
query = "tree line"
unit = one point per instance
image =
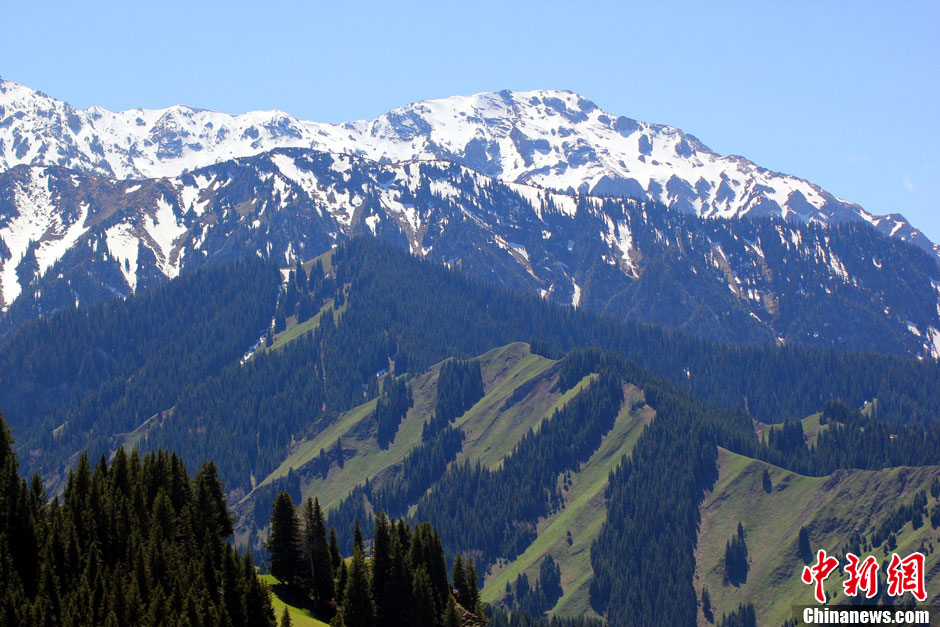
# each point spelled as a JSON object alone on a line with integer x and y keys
{"x": 137, "y": 541}
{"x": 402, "y": 581}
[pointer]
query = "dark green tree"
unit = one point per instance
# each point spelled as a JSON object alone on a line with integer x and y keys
{"x": 423, "y": 609}
{"x": 316, "y": 553}
{"x": 284, "y": 541}
{"x": 358, "y": 605}
{"x": 804, "y": 550}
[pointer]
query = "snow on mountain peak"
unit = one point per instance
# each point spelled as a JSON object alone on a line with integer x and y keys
{"x": 550, "y": 138}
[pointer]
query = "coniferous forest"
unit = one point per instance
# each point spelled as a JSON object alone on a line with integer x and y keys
{"x": 134, "y": 539}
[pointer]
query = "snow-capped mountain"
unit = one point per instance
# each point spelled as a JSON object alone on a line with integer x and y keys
{"x": 69, "y": 237}
{"x": 552, "y": 139}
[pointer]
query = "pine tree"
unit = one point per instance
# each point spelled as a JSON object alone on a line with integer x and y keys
{"x": 322, "y": 561}
{"x": 357, "y": 537}
{"x": 550, "y": 579}
{"x": 460, "y": 583}
{"x": 307, "y": 542}
{"x": 381, "y": 568}
{"x": 341, "y": 581}
{"x": 284, "y": 541}
{"x": 211, "y": 516}
{"x": 338, "y": 453}
{"x": 335, "y": 557}
{"x": 804, "y": 550}
{"x": 358, "y": 605}
{"x": 423, "y": 610}
{"x": 473, "y": 590}
{"x": 285, "y": 618}
{"x": 736, "y": 565}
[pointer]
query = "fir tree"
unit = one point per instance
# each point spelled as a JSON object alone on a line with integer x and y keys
{"x": 317, "y": 552}
{"x": 707, "y": 606}
{"x": 423, "y": 610}
{"x": 284, "y": 542}
{"x": 382, "y": 569}
{"x": 335, "y": 557}
{"x": 804, "y": 550}
{"x": 459, "y": 578}
{"x": 358, "y": 606}
{"x": 357, "y": 537}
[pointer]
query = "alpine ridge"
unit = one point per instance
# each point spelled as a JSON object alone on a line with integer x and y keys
{"x": 75, "y": 238}
{"x": 538, "y": 190}
{"x": 549, "y": 138}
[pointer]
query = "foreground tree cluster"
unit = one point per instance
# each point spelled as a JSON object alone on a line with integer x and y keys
{"x": 134, "y": 542}
{"x": 404, "y": 581}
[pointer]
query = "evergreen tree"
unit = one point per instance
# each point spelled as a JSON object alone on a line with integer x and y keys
{"x": 736, "y": 565}
{"x": 707, "y": 606}
{"x": 335, "y": 558}
{"x": 285, "y": 618}
{"x": 804, "y": 550}
{"x": 357, "y": 538}
{"x": 459, "y": 578}
{"x": 358, "y": 605}
{"x": 382, "y": 569}
{"x": 423, "y": 606}
{"x": 284, "y": 541}
{"x": 473, "y": 589}
{"x": 339, "y": 455}
{"x": 550, "y": 580}
{"x": 322, "y": 559}
{"x": 742, "y": 616}
{"x": 140, "y": 542}
{"x": 341, "y": 581}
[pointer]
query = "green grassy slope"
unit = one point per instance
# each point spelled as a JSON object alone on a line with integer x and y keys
{"x": 299, "y": 617}
{"x": 492, "y": 429}
{"x": 293, "y": 330}
{"x": 583, "y": 514}
{"x": 492, "y": 426}
{"x": 811, "y": 428}
{"x": 831, "y": 508}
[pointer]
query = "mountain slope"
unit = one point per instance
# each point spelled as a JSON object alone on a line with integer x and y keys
{"x": 70, "y": 238}
{"x": 550, "y": 138}
{"x": 832, "y": 508}
{"x": 521, "y": 391}
{"x": 551, "y": 435}
{"x": 395, "y": 309}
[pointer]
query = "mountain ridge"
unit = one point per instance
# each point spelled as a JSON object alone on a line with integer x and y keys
{"x": 550, "y": 138}
{"x": 72, "y": 237}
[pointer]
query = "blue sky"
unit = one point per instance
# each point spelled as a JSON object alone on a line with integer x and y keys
{"x": 844, "y": 94}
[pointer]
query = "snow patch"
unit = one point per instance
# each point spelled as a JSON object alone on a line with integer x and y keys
{"x": 371, "y": 222}
{"x": 164, "y": 229}
{"x": 933, "y": 345}
{"x": 124, "y": 246}
{"x": 51, "y": 250}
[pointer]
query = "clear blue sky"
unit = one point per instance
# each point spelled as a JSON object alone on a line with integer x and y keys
{"x": 844, "y": 94}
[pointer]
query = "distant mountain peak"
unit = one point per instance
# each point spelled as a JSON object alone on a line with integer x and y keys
{"x": 551, "y": 138}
